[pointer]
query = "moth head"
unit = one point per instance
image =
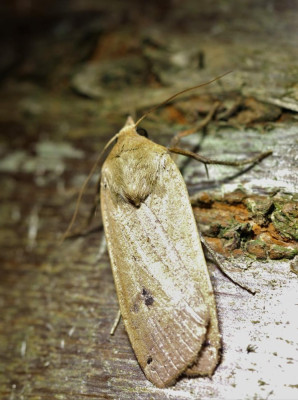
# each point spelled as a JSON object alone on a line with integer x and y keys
{"x": 129, "y": 122}
{"x": 131, "y": 127}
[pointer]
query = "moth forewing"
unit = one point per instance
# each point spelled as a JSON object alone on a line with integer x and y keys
{"x": 162, "y": 282}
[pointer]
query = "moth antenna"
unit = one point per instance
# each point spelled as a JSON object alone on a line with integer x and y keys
{"x": 74, "y": 216}
{"x": 178, "y": 94}
{"x": 206, "y": 169}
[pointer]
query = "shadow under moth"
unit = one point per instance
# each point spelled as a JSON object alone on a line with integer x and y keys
{"x": 163, "y": 286}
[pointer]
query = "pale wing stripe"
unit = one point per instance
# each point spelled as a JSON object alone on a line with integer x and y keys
{"x": 155, "y": 377}
{"x": 147, "y": 264}
{"x": 154, "y": 270}
{"x": 164, "y": 340}
{"x": 170, "y": 333}
{"x": 171, "y": 254}
{"x": 169, "y": 249}
{"x": 185, "y": 328}
{"x": 163, "y": 357}
{"x": 163, "y": 278}
{"x": 194, "y": 336}
{"x": 192, "y": 333}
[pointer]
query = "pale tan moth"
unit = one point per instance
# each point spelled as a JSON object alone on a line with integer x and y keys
{"x": 163, "y": 286}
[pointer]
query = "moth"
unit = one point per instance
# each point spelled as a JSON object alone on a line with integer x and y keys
{"x": 163, "y": 286}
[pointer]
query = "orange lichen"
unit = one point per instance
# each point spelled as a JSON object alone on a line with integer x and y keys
{"x": 237, "y": 224}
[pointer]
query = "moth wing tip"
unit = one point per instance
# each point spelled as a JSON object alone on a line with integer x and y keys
{"x": 129, "y": 121}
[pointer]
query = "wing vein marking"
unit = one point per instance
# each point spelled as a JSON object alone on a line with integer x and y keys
{"x": 166, "y": 340}
{"x": 173, "y": 353}
{"x": 186, "y": 328}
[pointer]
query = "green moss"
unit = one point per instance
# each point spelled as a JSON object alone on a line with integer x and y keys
{"x": 257, "y": 248}
{"x": 259, "y": 209}
{"x": 278, "y": 252}
{"x": 285, "y": 217}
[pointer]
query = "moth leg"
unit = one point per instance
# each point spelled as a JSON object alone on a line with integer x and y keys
{"x": 116, "y": 323}
{"x": 96, "y": 203}
{"x": 208, "y": 161}
{"x": 84, "y": 231}
{"x": 66, "y": 234}
{"x": 216, "y": 259}
{"x": 201, "y": 125}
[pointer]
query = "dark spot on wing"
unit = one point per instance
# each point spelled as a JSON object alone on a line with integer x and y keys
{"x": 149, "y": 301}
{"x": 135, "y": 308}
{"x": 148, "y": 298}
{"x": 149, "y": 360}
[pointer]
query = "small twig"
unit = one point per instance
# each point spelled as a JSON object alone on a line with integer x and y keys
{"x": 84, "y": 233}
{"x": 116, "y": 322}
